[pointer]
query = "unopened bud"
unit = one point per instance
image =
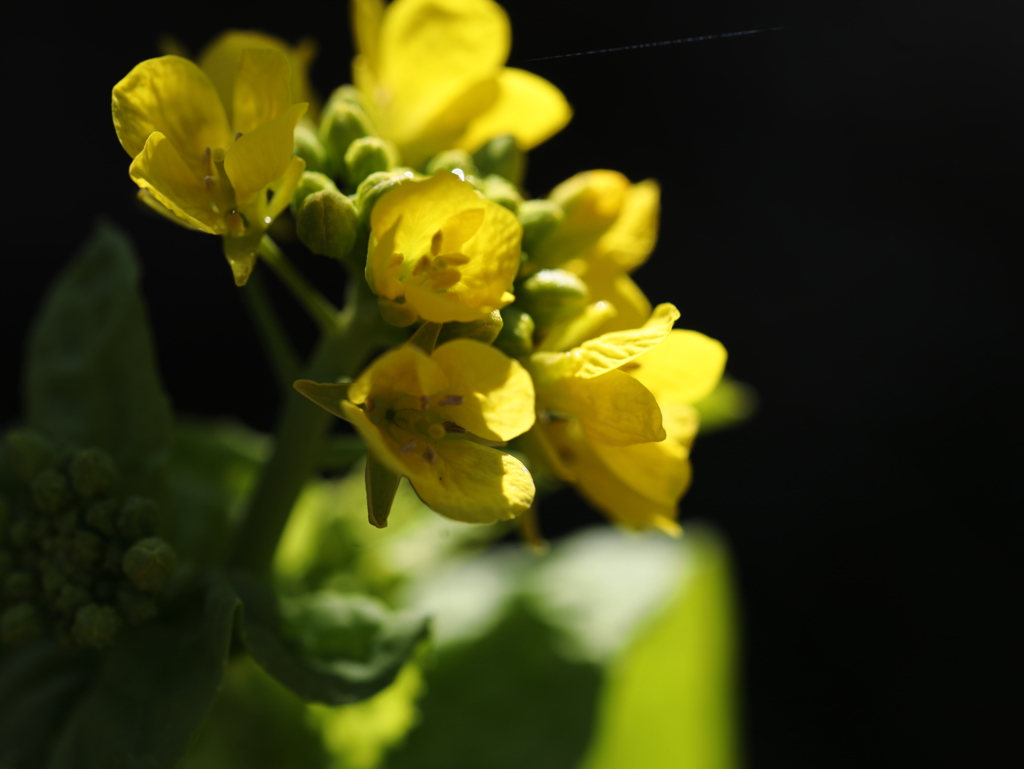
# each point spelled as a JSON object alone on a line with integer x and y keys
{"x": 368, "y": 155}
{"x": 551, "y": 296}
{"x": 341, "y": 123}
{"x": 327, "y": 223}
{"x": 136, "y": 607}
{"x": 19, "y": 533}
{"x": 138, "y": 518}
{"x": 501, "y": 191}
{"x": 485, "y": 330}
{"x": 539, "y": 218}
{"x": 309, "y": 183}
{"x": 19, "y": 586}
{"x": 149, "y": 563}
{"x": 458, "y": 162}
{"x": 102, "y": 516}
{"x": 21, "y": 623}
{"x": 51, "y": 491}
{"x": 29, "y": 453}
{"x": 53, "y": 580}
{"x": 516, "y": 336}
{"x": 93, "y": 473}
{"x": 375, "y": 185}
{"x": 96, "y": 626}
{"x": 309, "y": 147}
{"x": 501, "y": 156}
{"x": 88, "y": 547}
{"x": 72, "y": 598}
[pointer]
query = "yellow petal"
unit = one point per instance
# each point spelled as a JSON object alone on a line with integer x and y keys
{"x": 173, "y": 96}
{"x": 383, "y": 448}
{"x": 591, "y": 202}
{"x": 611, "y": 408}
{"x": 284, "y": 188}
{"x": 527, "y": 106}
{"x": 262, "y": 89}
{"x": 155, "y": 205}
{"x": 405, "y": 370}
{"x": 261, "y": 157}
{"x": 430, "y": 53}
{"x": 472, "y": 483}
{"x": 615, "y": 349}
{"x": 497, "y": 392}
{"x": 607, "y": 284}
{"x": 684, "y": 368}
{"x": 659, "y": 471}
{"x": 631, "y": 238}
{"x": 160, "y": 170}
{"x": 366, "y": 18}
{"x": 221, "y": 57}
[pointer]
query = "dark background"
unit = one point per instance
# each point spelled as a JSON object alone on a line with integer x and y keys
{"x": 838, "y": 201}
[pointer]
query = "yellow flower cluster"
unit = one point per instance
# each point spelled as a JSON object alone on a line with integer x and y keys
{"x": 545, "y": 340}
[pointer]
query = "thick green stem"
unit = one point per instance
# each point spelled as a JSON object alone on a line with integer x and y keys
{"x": 301, "y": 432}
{"x": 279, "y": 349}
{"x": 316, "y": 304}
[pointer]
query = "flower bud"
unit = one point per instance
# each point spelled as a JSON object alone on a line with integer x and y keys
{"x": 501, "y": 191}
{"x": 96, "y": 626}
{"x": 375, "y": 185}
{"x": 149, "y": 563}
{"x": 29, "y": 453}
{"x": 310, "y": 182}
{"x": 101, "y": 516}
{"x": 87, "y": 547}
{"x": 19, "y": 586}
{"x": 309, "y": 147}
{"x": 21, "y": 623}
{"x": 51, "y": 491}
{"x": 516, "y": 336}
{"x": 458, "y": 162}
{"x": 485, "y": 330}
{"x": 501, "y": 156}
{"x": 138, "y": 518}
{"x": 93, "y": 473}
{"x": 53, "y": 580}
{"x": 368, "y": 155}
{"x": 551, "y": 296}
{"x": 538, "y": 217}
{"x": 341, "y": 124}
{"x": 327, "y": 223}
{"x": 136, "y": 607}
{"x": 19, "y": 533}
{"x": 71, "y": 599}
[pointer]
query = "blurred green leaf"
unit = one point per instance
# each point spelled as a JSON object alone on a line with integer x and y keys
{"x": 669, "y": 698}
{"x": 327, "y": 647}
{"x": 730, "y": 404}
{"x": 212, "y": 469}
{"x": 153, "y": 689}
{"x": 91, "y": 374}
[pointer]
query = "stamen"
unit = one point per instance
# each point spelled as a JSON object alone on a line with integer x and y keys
{"x": 422, "y": 265}
{"x": 436, "y": 431}
{"x": 396, "y": 259}
{"x": 369, "y": 405}
{"x": 445, "y": 279}
{"x": 208, "y": 159}
{"x": 435, "y": 243}
{"x": 454, "y": 428}
{"x": 208, "y": 182}
{"x": 456, "y": 259}
{"x": 424, "y": 402}
{"x": 235, "y": 222}
{"x": 450, "y": 400}
{"x": 238, "y": 136}
{"x": 430, "y": 455}
{"x": 407, "y": 447}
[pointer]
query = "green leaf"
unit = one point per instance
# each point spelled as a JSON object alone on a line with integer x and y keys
{"x": 39, "y": 684}
{"x": 669, "y": 700}
{"x": 327, "y": 647}
{"x": 212, "y": 470}
{"x": 508, "y": 701}
{"x": 153, "y": 689}
{"x": 325, "y": 395}
{"x": 91, "y": 374}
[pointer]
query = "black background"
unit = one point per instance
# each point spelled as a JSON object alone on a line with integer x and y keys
{"x": 841, "y": 207}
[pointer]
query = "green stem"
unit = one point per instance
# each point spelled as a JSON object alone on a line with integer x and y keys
{"x": 316, "y": 304}
{"x": 283, "y": 358}
{"x": 301, "y": 432}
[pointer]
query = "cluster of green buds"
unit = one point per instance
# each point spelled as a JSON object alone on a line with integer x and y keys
{"x": 76, "y": 560}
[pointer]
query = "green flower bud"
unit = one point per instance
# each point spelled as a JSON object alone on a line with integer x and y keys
{"x": 21, "y": 623}
{"x": 341, "y": 124}
{"x": 452, "y": 161}
{"x": 19, "y": 533}
{"x": 87, "y": 547}
{"x": 29, "y": 453}
{"x": 327, "y": 223}
{"x": 96, "y": 626}
{"x": 485, "y": 330}
{"x": 539, "y": 218}
{"x": 516, "y": 336}
{"x": 551, "y": 296}
{"x": 310, "y": 182}
{"x": 309, "y": 147}
{"x": 138, "y": 518}
{"x": 101, "y": 515}
{"x": 136, "y": 607}
{"x": 501, "y": 191}
{"x": 375, "y": 185}
{"x": 19, "y": 586}
{"x": 53, "y": 580}
{"x": 368, "y": 155}
{"x": 93, "y": 473}
{"x": 347, "y": 94}
{"x": 71, "y": 599}
{"x": 51, "y": 491}
{"x": 501, "y": 156}
{"x": 149, "y": 563}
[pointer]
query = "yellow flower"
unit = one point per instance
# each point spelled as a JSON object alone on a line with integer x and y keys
{"x": 202, "y": 169}
{"x": 439, "y": 251}
{"x": 614, "y": 416}
{"x": 427, "y": 416}
{"x": 609, "y": 230}
{"x": 432, "y": 72}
